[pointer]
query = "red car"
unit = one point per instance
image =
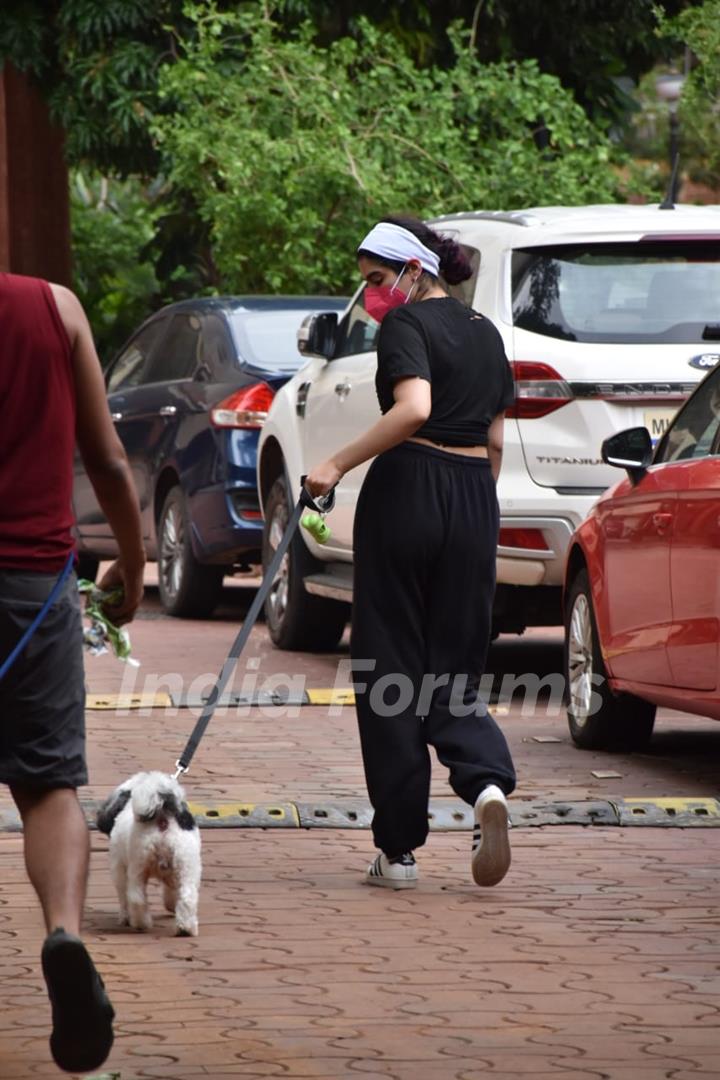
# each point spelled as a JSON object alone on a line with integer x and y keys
{"x": 642, "y": 582}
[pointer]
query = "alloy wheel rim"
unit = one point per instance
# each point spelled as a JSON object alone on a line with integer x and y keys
{"x": 171, "y": 551}
{"x": 277, "y": 600}
{"x": 580, "y": 660}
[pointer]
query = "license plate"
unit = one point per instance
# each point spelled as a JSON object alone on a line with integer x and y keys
{"x": 657, "y": 421}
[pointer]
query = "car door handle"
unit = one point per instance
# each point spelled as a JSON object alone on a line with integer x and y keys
{"x": 614, "y": 529}
{"x": 115, "y": 416}
{"x": 662, "y": 521}
{"x": 168, "y": 410}
{"x": 343, "y": 389}
{"x": 301, "y": 399}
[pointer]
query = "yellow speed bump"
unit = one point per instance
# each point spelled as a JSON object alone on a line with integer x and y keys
{"x": 331, "y": 697}
{"x": 678, "y": 804}
{"x": 129, "y": 701}
{"x": 247, "y": 813}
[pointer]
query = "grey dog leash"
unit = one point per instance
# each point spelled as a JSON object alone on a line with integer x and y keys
{"x": 306, "y": 502}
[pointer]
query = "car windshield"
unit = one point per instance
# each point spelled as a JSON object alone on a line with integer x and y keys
{"x": 641, "y": 292}
{"x": 267, "y": 339}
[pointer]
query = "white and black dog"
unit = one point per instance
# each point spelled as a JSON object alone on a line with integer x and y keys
{"x": 153, "y": 835}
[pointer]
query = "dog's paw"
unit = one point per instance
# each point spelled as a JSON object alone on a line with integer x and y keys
{"x": 140, "y": 923}
{"x": 187, "y": 930}
{"x": 123, "y": 919}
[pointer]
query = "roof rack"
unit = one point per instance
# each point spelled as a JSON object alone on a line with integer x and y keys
{"x": 510, "y": 217}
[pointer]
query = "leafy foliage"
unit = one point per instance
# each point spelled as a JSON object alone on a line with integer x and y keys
{"x": 698, "y": 28}
{"x": 97, "y": 63}
{"x": 587, "y": 44}
{"x": 292, "y": 149}
{"x": 113, "y": 224}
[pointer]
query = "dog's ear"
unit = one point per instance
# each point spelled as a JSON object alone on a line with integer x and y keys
{"x": 110, "y": 809}
{"x": 184, "y": 818}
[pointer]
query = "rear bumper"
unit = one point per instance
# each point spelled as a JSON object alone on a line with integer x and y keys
{"x": 557, "y": 517}
{"x": 517, "y": 566}
{"x": 226, "y": 526}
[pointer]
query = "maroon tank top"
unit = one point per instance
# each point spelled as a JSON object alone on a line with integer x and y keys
{"x": 37, "y": 428}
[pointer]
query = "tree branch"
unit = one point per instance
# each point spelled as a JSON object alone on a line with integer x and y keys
{"x": 474, "y": 27}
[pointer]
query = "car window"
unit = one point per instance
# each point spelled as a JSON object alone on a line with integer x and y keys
{"x": 178, "y": 355}
{"x": 465, "y": 291}
{"x": 358, "y": 331}
{"x": 644, "y": 292}
{"x": 218, "y": 352}
{"x": 132, "y": 366}
{"x": 268, "y": 339}
{"x": 695, "y": 430}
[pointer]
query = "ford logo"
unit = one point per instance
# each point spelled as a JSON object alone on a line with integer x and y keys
{"x": 705, "y": 361}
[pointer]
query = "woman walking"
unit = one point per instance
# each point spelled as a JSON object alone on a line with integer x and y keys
{"x": 426, "y": 529}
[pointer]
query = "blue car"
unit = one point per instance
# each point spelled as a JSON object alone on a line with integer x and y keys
{"x": 188, "y": 394}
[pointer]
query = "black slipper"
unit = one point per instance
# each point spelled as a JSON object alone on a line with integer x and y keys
{"x": 82, "y": 1015}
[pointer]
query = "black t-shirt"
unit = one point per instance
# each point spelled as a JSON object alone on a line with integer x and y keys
{"x": 460, "y": 353}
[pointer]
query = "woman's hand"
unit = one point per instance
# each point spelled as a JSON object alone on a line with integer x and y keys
{"x": 323, "y": 478}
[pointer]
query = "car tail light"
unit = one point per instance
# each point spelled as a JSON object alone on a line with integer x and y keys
{"x": 246, "y": 408}
{"x": 525, "y": 539}
{"x": 539, "y": 390}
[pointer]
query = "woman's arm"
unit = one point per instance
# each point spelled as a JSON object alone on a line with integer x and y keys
{"x": 495, "y": 444}
{"x": 410, "y": 411}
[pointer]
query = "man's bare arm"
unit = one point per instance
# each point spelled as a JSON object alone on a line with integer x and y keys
{"x": 104, "y": 458}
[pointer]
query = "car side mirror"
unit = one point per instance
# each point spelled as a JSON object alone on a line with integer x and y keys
{"x": 631, "y": 449}
{"x": 317, "y": 335}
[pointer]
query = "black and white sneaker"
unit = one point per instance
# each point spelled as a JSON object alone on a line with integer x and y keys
{"x": 398, "y": 873}
{"x": 490, "y": 859}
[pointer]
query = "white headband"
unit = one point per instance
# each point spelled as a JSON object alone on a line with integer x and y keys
{"x": 400, "y": 245}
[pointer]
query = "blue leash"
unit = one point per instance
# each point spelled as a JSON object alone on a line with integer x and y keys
{"x": 56, "y": 589}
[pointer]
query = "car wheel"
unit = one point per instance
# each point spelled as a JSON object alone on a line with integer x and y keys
{"x": 188, "y": 589}
{"x": 599, "y": 719}
{"x": 87, "y": 567}
{"x": 295, "y": 619}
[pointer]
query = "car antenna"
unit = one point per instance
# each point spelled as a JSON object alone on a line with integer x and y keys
{"x": 668, "y": 202}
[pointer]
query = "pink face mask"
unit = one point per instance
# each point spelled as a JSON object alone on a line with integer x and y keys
{"x": 379, "y": 299}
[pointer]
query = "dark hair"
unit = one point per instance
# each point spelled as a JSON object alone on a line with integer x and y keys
{"x": 454, "y": 264}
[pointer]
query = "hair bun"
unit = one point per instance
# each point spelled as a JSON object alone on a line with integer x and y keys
{"x": 454, "y": 263}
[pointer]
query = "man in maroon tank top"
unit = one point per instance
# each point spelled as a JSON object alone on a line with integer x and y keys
{"x": 52, "y": 395}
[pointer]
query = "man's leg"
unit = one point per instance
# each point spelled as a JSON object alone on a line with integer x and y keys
{"x": 42, "y": 759}
{"x": 57, "y": 851}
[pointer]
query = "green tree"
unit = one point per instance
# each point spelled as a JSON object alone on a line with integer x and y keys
{"x": 99, "y": 61}
{"x": 590, "y": 45}
{"x": 292, "y": 149}
{"x": 698, "y": 29}
{"x": 113, "y": 225}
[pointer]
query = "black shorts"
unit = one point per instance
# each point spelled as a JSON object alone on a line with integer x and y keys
{"x": 42, "y": 696}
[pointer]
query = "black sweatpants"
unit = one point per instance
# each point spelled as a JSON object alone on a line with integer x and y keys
{"x": 426, "y": 528}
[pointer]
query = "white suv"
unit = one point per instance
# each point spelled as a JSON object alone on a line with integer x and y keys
{"x": 610, "y": 315}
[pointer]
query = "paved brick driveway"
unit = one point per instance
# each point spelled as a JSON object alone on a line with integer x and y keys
{"x": 599, "y": 956}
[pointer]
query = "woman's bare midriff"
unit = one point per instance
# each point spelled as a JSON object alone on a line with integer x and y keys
{"x": 467, "y": 451}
